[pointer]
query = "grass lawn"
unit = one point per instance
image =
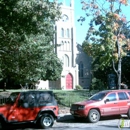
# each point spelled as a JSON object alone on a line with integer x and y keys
{"x": 64, "y": 98}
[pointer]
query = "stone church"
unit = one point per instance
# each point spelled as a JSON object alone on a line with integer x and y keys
{"x": 76, "y": 64}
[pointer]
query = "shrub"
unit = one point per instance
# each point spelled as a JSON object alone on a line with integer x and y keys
{"x": 78, "y": 87}
{"x": 97, "y": 84}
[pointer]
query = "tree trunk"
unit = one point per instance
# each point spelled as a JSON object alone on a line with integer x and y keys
{"x": 119, "y": 64}
{"x": 4, "y": 89}
{"x": 119, "y": 73}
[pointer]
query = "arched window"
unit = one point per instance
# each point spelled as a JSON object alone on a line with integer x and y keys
{"x": 65, "y": 46}
{"x": 62, "y": 59}
{"x": 81, "y": 69}
{"x": 68, "y": 33}
{"x": 62, "y": 32}
{"x": 62, "y": 45}
{"x": 66, "y": 61}
{"x": 68, "y": 46}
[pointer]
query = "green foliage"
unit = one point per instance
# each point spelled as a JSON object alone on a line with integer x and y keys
{"x": 66, "y": 98}
{"x": 97, "y": 84}
{"x": 26, "y": 36}
{"x": 108, "y": 36}
{"x": 78, "y": 87}
{"x": 126, "y": 70}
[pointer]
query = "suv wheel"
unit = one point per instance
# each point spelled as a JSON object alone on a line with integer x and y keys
{"x": 46, "y": 121}
{"x": 2, "y": 124}
{"x": 93, "y": 116}
{"x": 128, "y": 114}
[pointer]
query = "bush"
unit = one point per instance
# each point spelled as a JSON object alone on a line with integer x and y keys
{"x": 78, "y": 87}
{"x": 97, "y": 84}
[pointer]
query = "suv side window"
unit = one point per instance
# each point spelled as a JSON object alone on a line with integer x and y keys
{"x": 111, "y": 97}
{"x": 122, "y": 96}
{"x": 28, "y": 100}
{"x": 44, "y": 99}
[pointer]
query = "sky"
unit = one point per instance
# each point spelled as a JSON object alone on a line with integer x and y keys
{"x": 81, "y": 30}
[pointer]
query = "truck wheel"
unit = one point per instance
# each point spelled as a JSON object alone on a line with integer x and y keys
{"x": 46, "y": 121}
{"x": 93, "y": 116}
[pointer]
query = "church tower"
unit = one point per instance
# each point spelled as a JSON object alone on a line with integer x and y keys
{"x": 66, "y": 50}
{"x": 76, "y": 64}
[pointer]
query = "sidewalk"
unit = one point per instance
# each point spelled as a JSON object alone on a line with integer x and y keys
{"x": 64, "y": 111}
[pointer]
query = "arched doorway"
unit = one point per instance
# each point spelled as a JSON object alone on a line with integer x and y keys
{"x": 69, "y": 81}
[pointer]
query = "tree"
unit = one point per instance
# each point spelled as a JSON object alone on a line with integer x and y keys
{"x": 26, "y": 40}
{"x": 108, "y": 41}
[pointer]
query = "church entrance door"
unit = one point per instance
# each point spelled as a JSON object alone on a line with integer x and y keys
{"x": 69, "y": 82}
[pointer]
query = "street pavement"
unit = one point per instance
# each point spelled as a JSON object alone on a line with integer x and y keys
{"x": 67, "y": 122}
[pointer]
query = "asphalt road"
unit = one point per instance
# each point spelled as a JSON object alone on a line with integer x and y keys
{"x": 67, "y": 122}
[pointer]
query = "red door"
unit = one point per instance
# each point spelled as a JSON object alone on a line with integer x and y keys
{"x": 69, "y": 82}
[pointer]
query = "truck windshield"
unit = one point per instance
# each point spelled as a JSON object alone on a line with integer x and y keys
{"x": 12, "y": 98}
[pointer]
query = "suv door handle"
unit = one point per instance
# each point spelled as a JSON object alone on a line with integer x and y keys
{"x": 115, "y": 102}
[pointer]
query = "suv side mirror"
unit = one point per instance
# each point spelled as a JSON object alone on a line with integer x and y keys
{"x": 107, "y": 100}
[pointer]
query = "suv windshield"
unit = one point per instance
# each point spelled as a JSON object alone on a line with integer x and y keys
{"x": 98, "y": 96}
{"x": 12, "y": 98}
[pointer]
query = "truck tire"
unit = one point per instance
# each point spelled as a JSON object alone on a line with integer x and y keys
{"x": 46, "y": 121}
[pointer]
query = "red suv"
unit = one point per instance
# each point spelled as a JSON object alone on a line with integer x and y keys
{"x": 104, "y": 103}
{"x": 30, "y": 106}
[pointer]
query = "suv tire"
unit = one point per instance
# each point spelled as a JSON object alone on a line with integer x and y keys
{"x": 46, "y": 121}
{"x": 128, "y": 114}
{"x": 2, "y": 125}
{"x": 93, "y": 116}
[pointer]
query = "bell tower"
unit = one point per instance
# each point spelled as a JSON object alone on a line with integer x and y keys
{"x": 66, "y": 49}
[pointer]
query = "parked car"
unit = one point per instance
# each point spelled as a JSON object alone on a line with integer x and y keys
{"x": 29, "y": 106}
{"x": 103, "y": 103}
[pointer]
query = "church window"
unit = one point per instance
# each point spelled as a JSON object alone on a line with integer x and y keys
{"x": 66, "y": 61}
{"x": 62, "y": 46}
{"x": 68, "y": 47}
{"x": 65, "y": 18}
{"x": 68, "y": 33}
{"x": 62, "y": 32}
{"x": 65, "y": 46}
{"x": 81, "y": 69}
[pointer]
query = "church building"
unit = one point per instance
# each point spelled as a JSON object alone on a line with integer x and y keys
{"x": 76, "y": 64}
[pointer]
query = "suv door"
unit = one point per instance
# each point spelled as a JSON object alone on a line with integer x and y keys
{"x": 110, "y": 106}
{"x": 26, "y": 108}
{"x": 123, "y": 102}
